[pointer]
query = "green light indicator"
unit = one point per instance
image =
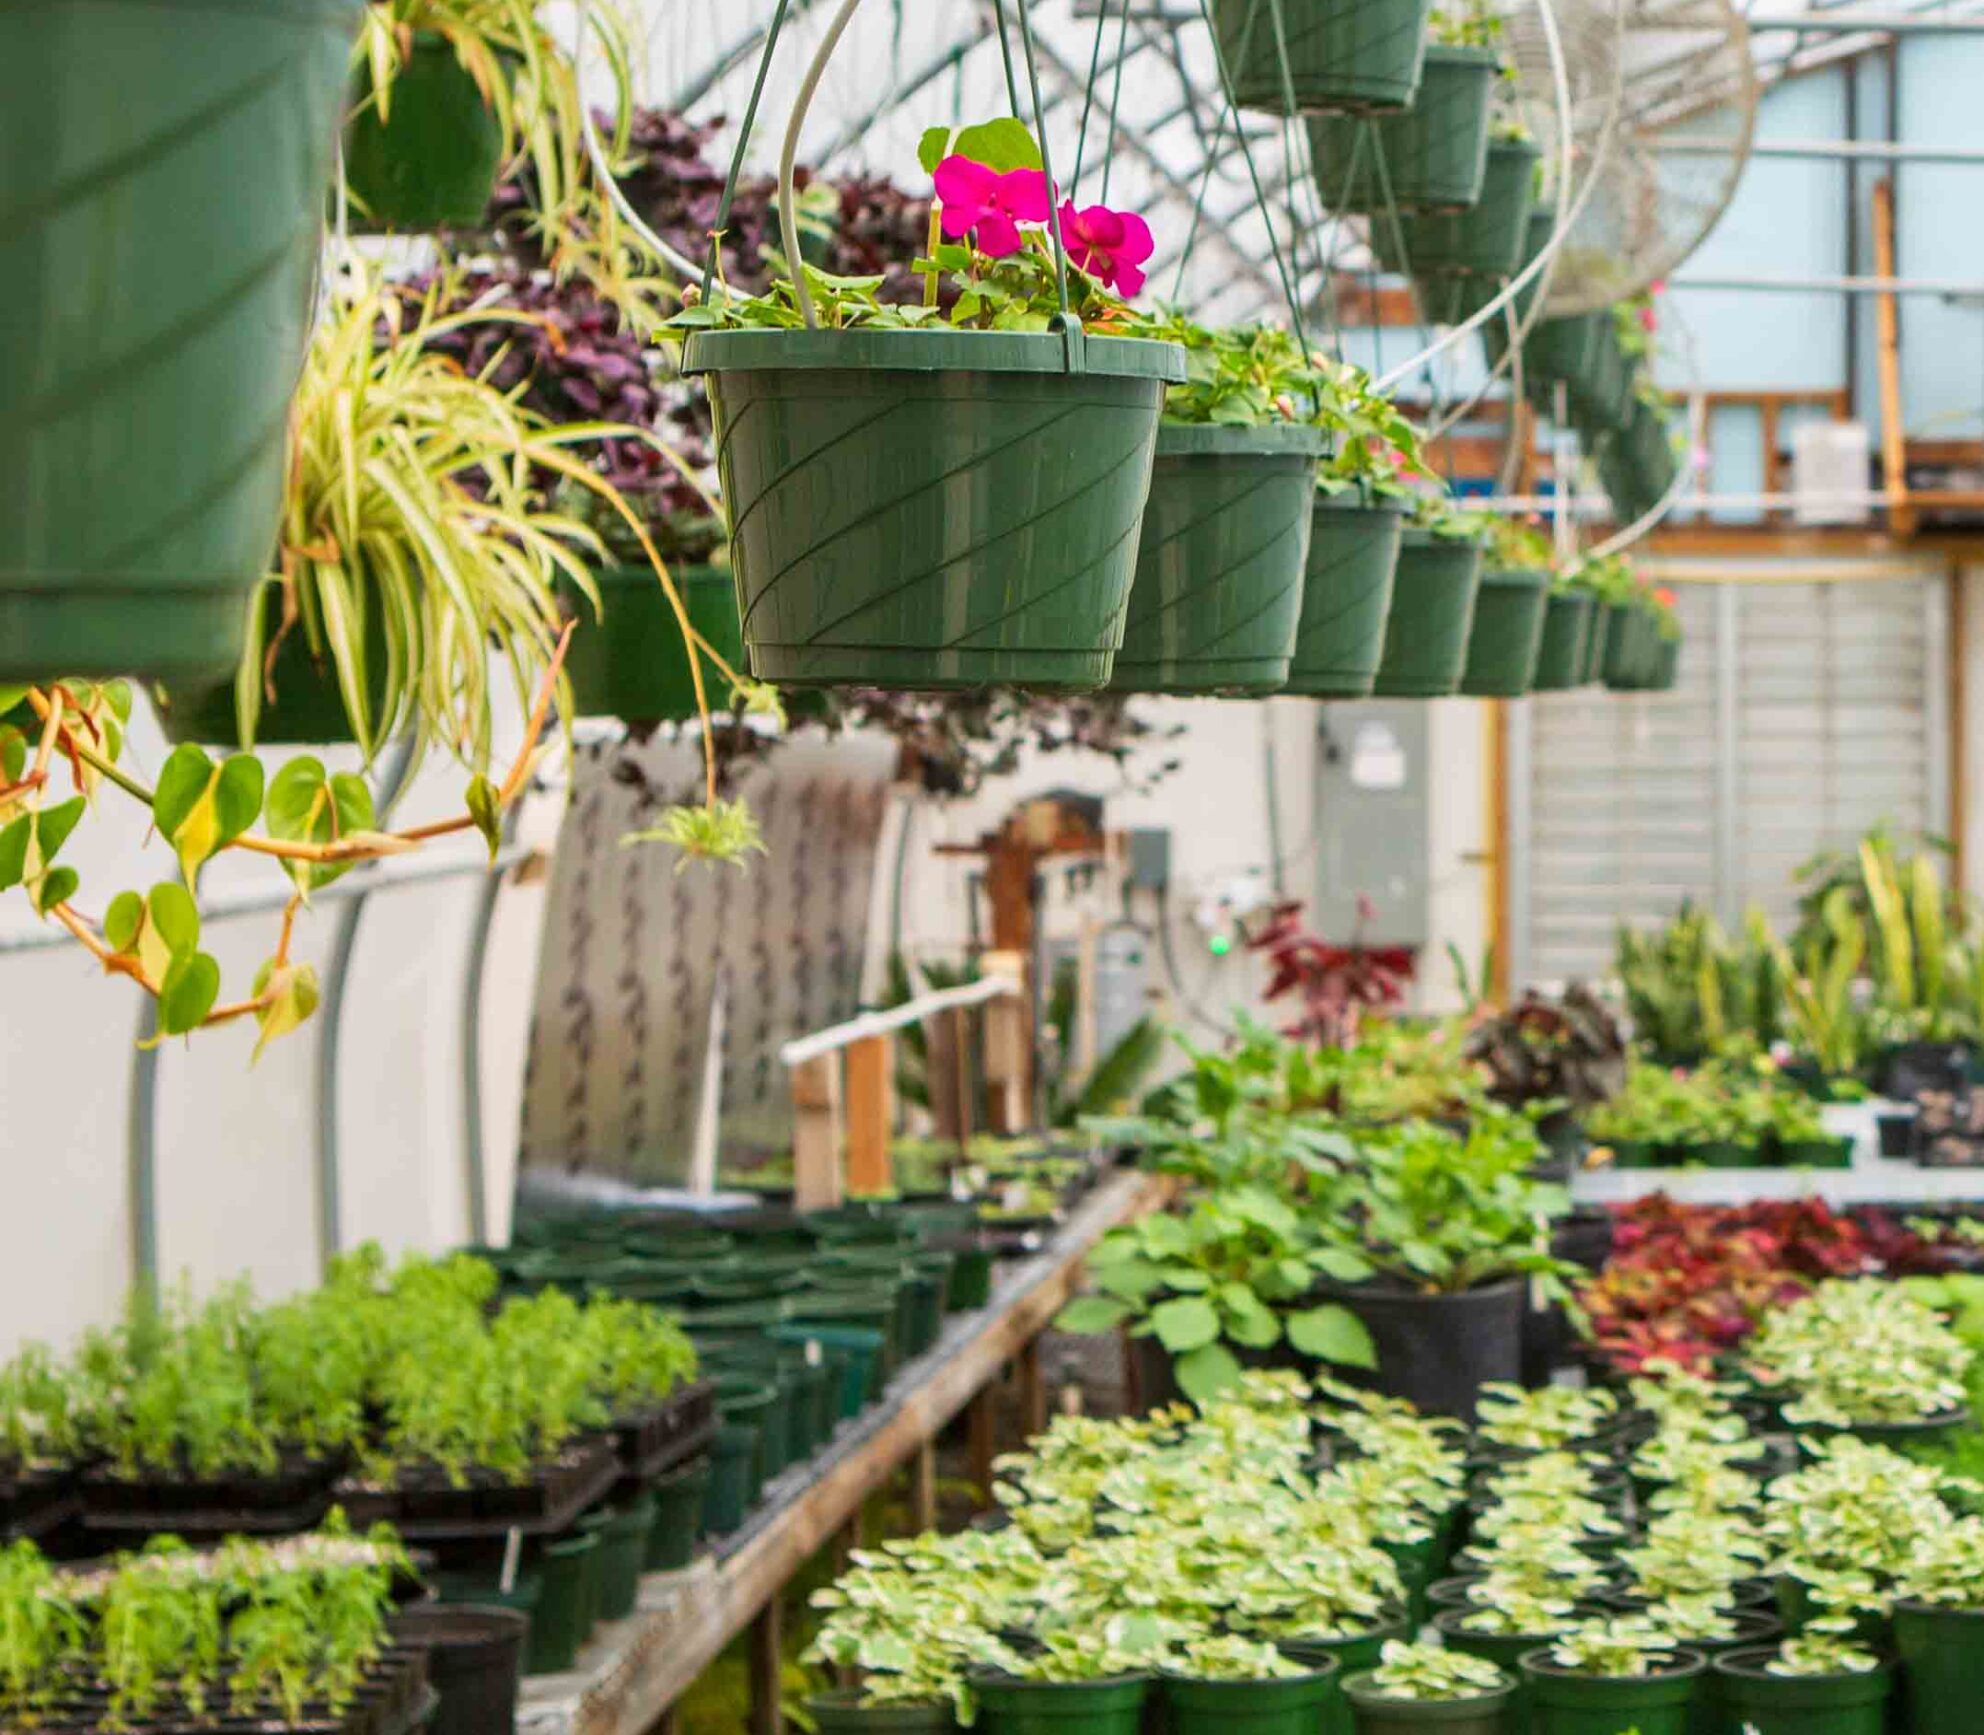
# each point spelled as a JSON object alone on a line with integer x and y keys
{"x": 1220, "y": 944}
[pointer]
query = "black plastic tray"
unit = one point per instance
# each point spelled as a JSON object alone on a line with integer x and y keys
{"x": 544, "y": 1506}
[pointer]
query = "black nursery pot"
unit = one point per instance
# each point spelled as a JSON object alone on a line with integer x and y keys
{"x": 472, "y": 1658}
{"x": 1438, "y": 1351}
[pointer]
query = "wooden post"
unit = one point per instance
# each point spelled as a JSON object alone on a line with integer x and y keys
{"x": 947, "y": 1072}
{"x": 767, "y": 1669}
{"x": 870, "y": 1089}
{"x": 1033, "y": 1395}
{"x": 1894, "y": 442}
{"x": 983, "y": 1427}
{"x": 1008, "y": 1046}
{"x": 923, "y": 1488}
{"x": 816, "y": 1130}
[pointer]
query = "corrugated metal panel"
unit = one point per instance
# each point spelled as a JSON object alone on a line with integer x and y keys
{"x": 1833, "y": 730}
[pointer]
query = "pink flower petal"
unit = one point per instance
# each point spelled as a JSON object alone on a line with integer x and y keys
{"x": 961, "y": 181}
{"x": 1137, "y": 244}
{"x": 958, "y": 220}
{"x": 1102, "y": 226}
{"x": 1022, "y": 194}
{"x": 998, "y": 235}
{"x": 1129, "y": 280}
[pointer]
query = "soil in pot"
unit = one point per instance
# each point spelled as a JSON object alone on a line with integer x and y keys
{"x": 844, "y": 1714}
{"x": 1346, "y": 597}
{"x": 1433, "y": 153}
{"x": 1563, "y": 1703}
{"x": 1757, "y": 1702}
{"x": 1942, "y": 1663}
{"x": 1507, "y": 635}
{"x": 835, "y": 449}
{"x": 631, "y": 661}
{"x": 1566, "y": 645}
{"x": 1218, "y": 589}
{"x": 1378, "y": 1713}
{"x": 1007, "y": 1706}
{"x": 159, "y": 306}
{"x": 1291, "y": 1705}
{"x": 473, "y": 1653}
{"x": 1432, "y": 613}
{"x": 1342, "y": 56}
{"x": 1437, "y": 1351}
{"x": 430, "y": 160}
{"x": 1485, "y": 240}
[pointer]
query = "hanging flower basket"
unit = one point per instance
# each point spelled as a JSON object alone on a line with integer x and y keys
{"x": 1431, "y": 616}
{"x": 160, "y": 219}
{"x": 1637, "y": 462}
{"x": 1485, "y": 240}
{"x": 1666, "y": 669}
{"x": 632, "y": 662}
{"x": 1565, "y": 651}
{"x": 1602, "y": 616}
{"x": 1219, "y": 569}
{"x": 933, "y": 509}
{"x": 1343, "y": 56}
{"x": 1632, "y": 650}
{"x": 1507, "y": 633}
{"x": 1430, "y": 156}
{"x": 432, "y": 161}
{"x": 1346, "y": 597}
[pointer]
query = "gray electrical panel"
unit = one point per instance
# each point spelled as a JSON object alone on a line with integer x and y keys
{"x": 1373, "y": 821}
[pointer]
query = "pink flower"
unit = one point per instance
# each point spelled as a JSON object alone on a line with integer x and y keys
{"x": 1648, "y": 320}
{"x": 1110, "y": 246}
{"x": 995, "y": 204}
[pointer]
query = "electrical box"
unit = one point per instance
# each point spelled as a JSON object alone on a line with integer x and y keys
{"x": 1830, "y": 460}
{"x": 1122, "y": 983}
{"x": 1373, "y": 823}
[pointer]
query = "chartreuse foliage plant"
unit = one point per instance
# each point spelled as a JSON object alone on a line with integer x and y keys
{"x": 1615, "y": 1649}
{"x": 1860, "y": 1353}
{"x": 1433, "y": 1672}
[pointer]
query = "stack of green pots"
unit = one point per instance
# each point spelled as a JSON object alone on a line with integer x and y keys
{"x": 1484, "y": 240}
{"x": 1429, "y": 157}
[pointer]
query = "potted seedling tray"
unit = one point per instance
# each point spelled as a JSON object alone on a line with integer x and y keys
{"x": 37, "y": 1499}
{"x": 654, "y": 1441}
{"x": 393, "y": 1699}
{"x": 295, "y": 1497}
{"x": 425, "y": 1507}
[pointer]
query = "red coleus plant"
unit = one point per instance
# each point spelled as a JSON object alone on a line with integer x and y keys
{"x": 1334, "y": 985}
{"x": 1685, "y": 1284}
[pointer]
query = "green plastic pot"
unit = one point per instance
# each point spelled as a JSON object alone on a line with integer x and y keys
{"x": 923, "y": 1311}
{"x": 1343, "y": 56}
{"x": 933, "y": 509}
{"x": 1796, "y": 1609}
{"x": 1564, "y": 650}
{"x": 1759, "y": 1703}
{"x": 1504, "y": 1650}
{"x": 1562, "y": 1703}
{"x": 1013, "y": 1707}
{"x": 1346, "y": 597}
{"x": 1637, "y": 463}
{"x": 1432, "y": 613}
{"x": 1602, "y": 615}
{"x": 856, "y": 1375}
{"x": 623, "y": 1551}
{"x": 1559, "y": 352}
{"x": 863, "y": 1309}
{"x": 431, "y": 160}
{"x": 1666, "y": 665}
{"x": 1629, "y": 643}
{"x": 1433, "y": 153}
{"x": 563, "y": 1616}
{"x": 678, "y": 1516}
{"x": 844, "y": 1714}
{"x": 481, "y": 1590}
{"x": 631, "y": 661}
{"x": 1218, "y": 589}
{"x": 1507, "y": 635}
{"x": 1377, "y": 1713}
{"x": 971, "y": 1279}
{"x": 787, "y": 1422}
{"x": 1289, "y": 1705}
{"x": 160, "y": 219}
{"x": 1942, "y": 1664}
{"x": 1815, "y": 1153}
{"x": 1352, "y": 1653}
{"x": 1484, "y": 240}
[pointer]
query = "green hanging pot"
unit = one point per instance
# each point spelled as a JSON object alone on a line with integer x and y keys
{"x": 934, "y": 509}
{"x": 1485, "y": 240}
{"x": 1507, "y": 635}
{"x": 1008, "y": 1706}
{"x": 431, "y": 161}
{"x": 1428, "y": 157}
{"x": 1286, "y": 1705}
{"x": 1568, "y": 351}
{"x": 1666, "y": 672}
{"x": 302, "y": 704}
{"x": 1218, "y": 589}
{"x": 1942, "y": 1663}
{"x": 1564, "y": 1703}
{"x": 1431, "y": 616}
{"x": 1627, "y": 648}
{"x": 1343, "y": 56}
{"x": 632, "y": 662}
{"x": 1380, "y": 1713}
{"x": 1637, "y": 462}
{"x": 1602, "y": 616}
{"x": 160, "y": 221}
{"x": 1565, "y": 650}
{"x": 1346, "y": 596}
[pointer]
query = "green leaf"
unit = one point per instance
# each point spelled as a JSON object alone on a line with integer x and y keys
{"x": 182, "y": 780}
{"x": 1001, "y": 145}
{"x": 238, "y": 794}
{"x": 1187, "y": 1322}
{"x": 931, "y": 149}
{"x": 14, "y": 841}
{"x": 11, "y": 694}
{"x": 307, "y": 806}
{"x": 13, "y": 754}
{"x": 1206, "y": 1372}
{"x": 56, "y": 824}
{"x": 293, "y": 996}
{"x": 486, "y": 809}
{"x": 122, "y": 921}
{"x": 1248, "y": 1320}
{"x": 188, "y": 994}
{"x": 1333, "y": 1334}
{"x": 1089, "y": 1314}
{"x": 56, "y": 886}
{"x": 174, "y": 918}
{"x": 201, "y": 807}
{"x": 1342, "y": 1264}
